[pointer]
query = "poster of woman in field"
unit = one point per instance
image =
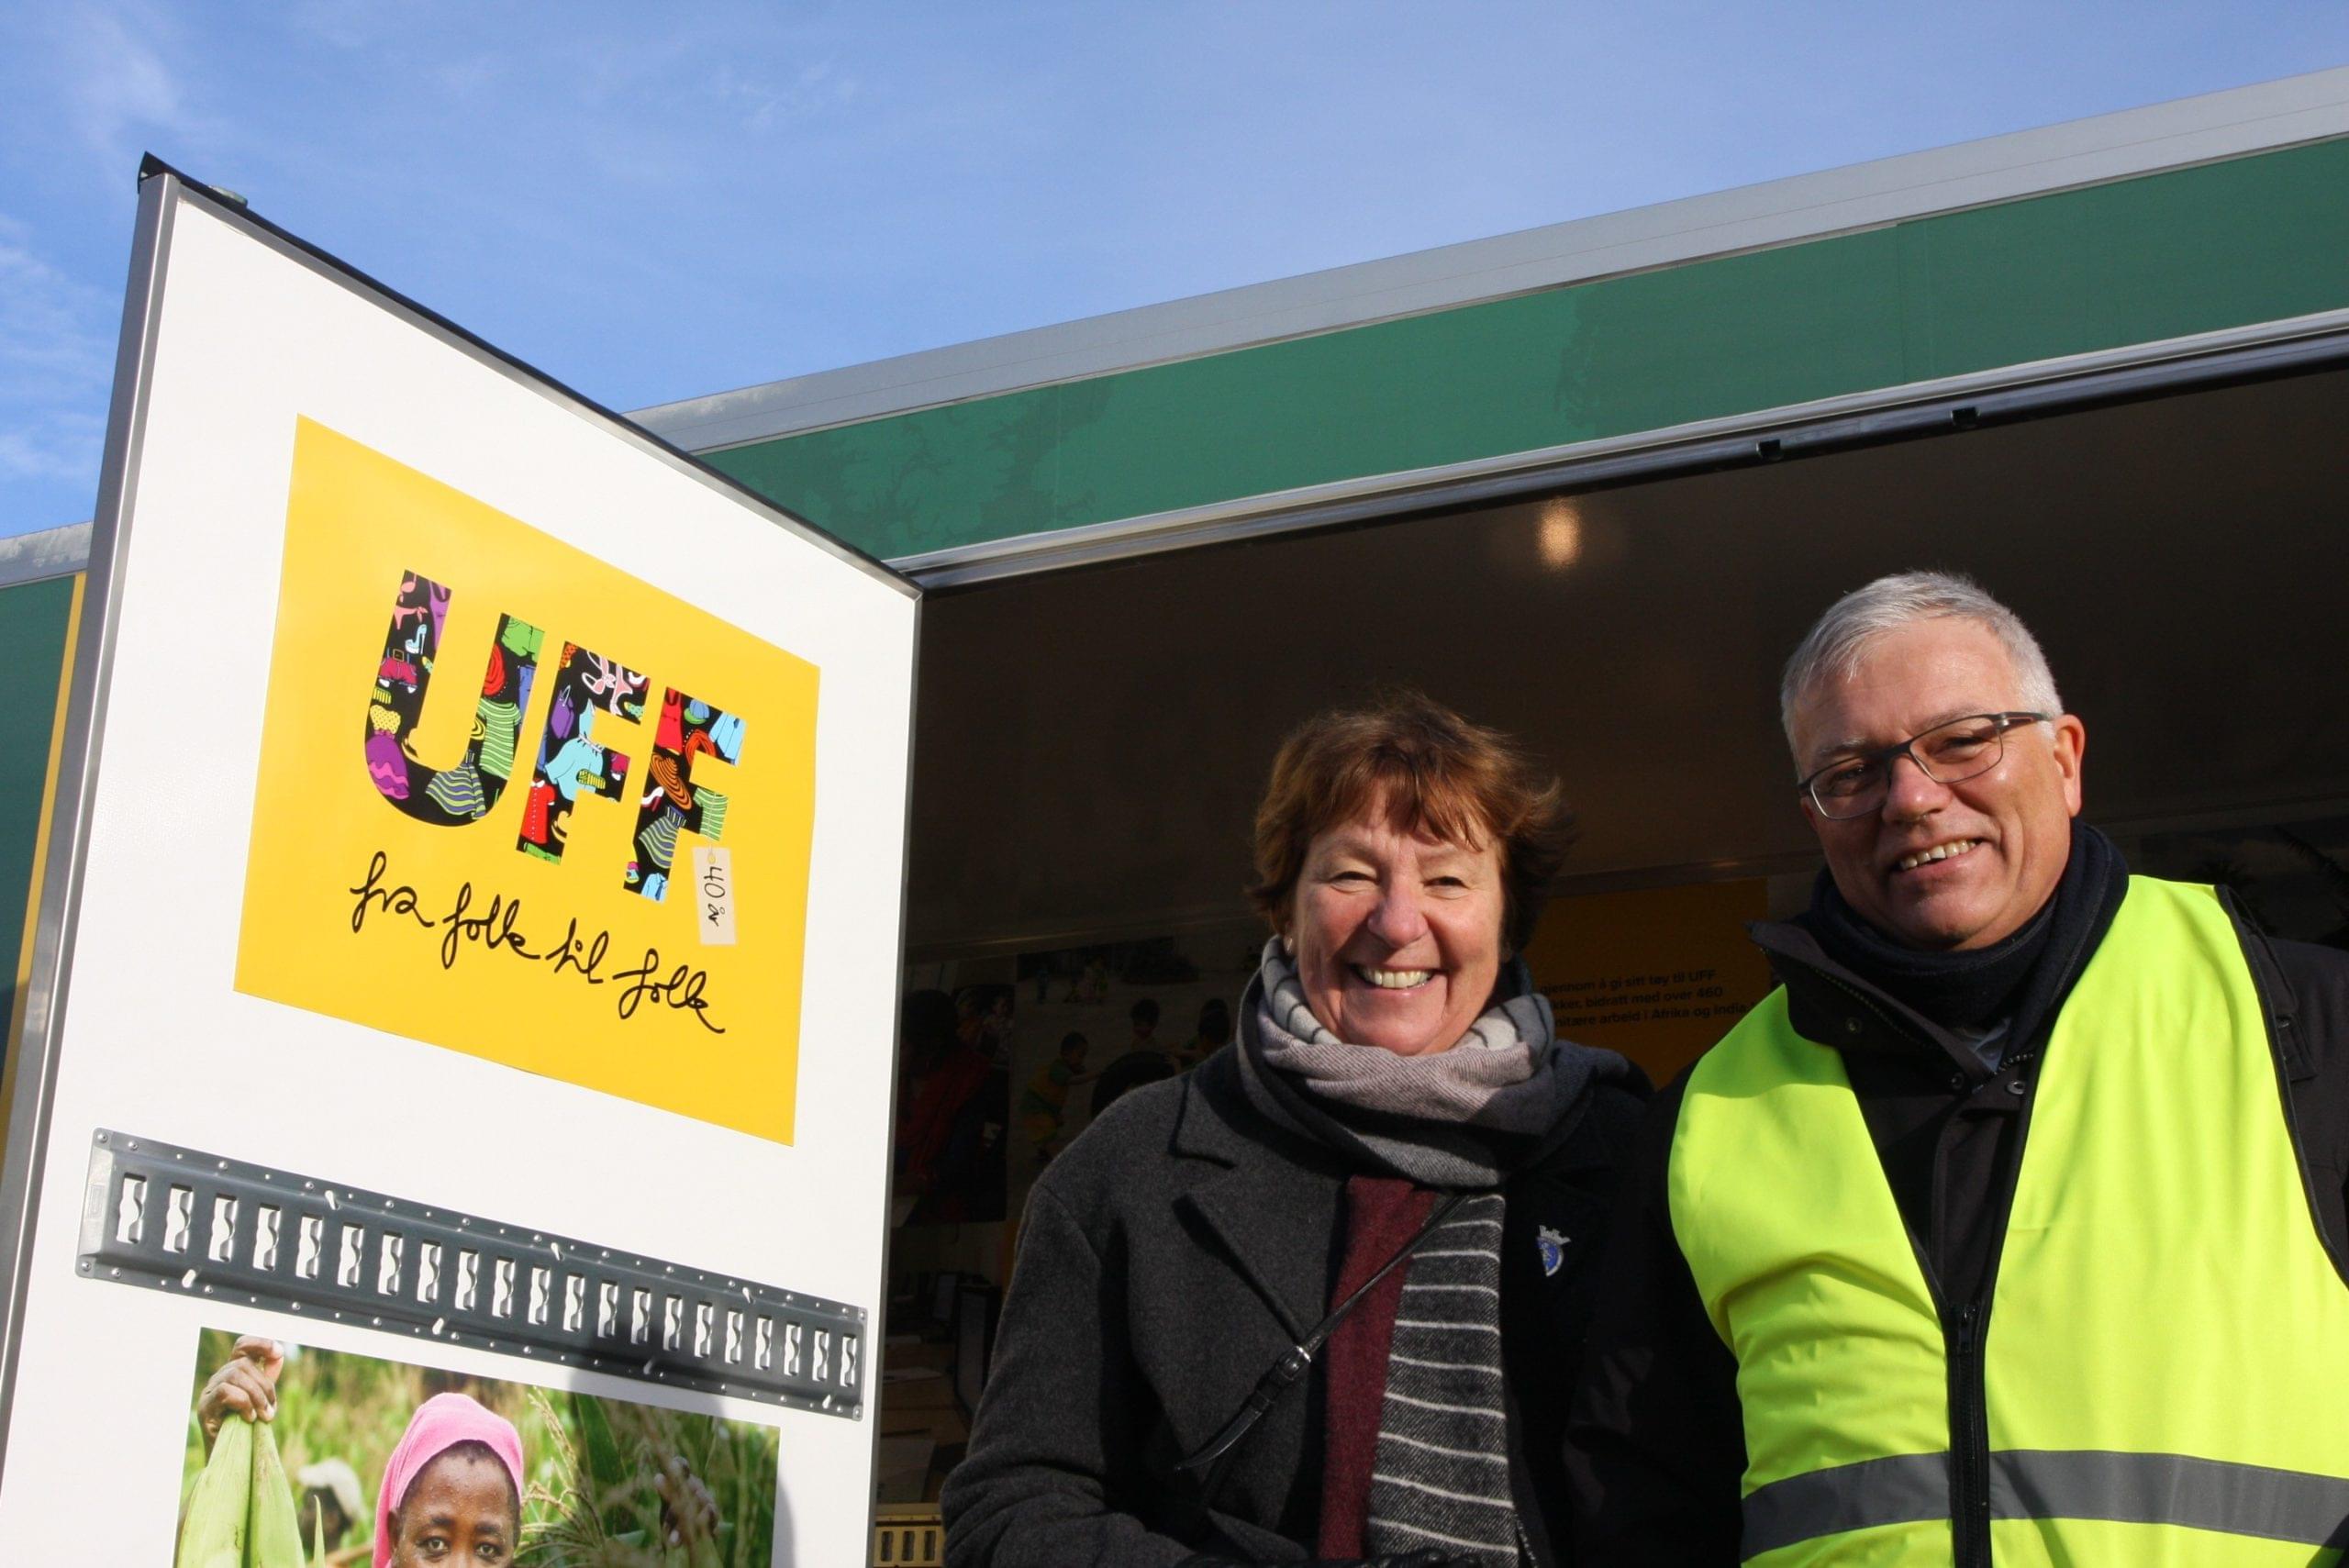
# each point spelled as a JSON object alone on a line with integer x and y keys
{"x": 387, "y": 1463}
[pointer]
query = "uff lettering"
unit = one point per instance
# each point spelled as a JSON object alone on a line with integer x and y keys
{"x": 573, "y": 759}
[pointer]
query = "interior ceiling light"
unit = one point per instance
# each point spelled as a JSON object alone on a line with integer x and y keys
{"x": 1559, "y": 536}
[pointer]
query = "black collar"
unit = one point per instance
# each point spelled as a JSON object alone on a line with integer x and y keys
{"x": 1832, "y": 1003}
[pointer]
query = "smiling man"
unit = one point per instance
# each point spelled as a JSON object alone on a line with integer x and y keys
{"x": 2009, "y": 1228}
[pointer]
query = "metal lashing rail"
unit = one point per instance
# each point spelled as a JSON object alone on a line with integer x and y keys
{"x": 196, "y": 1224}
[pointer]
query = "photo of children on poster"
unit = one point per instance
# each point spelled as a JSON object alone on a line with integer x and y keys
{"x": 299, "y": 1457}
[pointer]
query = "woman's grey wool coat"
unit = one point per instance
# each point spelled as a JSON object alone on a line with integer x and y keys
{"x": 1181, "y": 1246}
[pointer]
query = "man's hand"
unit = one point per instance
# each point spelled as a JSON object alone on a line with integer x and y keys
{"x": 246, "y": 1385}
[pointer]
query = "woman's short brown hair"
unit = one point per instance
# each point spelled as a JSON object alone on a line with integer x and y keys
{"x": 1440, "y": 774}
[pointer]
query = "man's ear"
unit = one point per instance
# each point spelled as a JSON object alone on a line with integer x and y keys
{"x": 2071, "y": 745}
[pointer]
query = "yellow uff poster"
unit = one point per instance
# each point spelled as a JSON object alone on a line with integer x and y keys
{"x": 516, "y": 803}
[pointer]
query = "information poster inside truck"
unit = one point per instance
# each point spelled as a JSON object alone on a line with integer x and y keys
{"x": 466, "y": 962}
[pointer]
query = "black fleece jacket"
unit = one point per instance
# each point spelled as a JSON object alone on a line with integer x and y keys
{"x": 1657, "y": 1440}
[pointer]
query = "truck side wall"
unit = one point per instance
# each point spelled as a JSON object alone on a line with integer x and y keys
{"x": 36, "y": 650}
{"x": 2142, "y": 260}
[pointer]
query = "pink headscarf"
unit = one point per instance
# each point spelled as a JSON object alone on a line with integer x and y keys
{"x": 439, "y": 1425}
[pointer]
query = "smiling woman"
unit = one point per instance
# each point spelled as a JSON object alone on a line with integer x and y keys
{"x": 1409, "y": 850}
{"x": 1385, "y": 1192}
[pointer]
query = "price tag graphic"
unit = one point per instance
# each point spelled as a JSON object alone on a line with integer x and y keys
{"x": 714, "y": 886}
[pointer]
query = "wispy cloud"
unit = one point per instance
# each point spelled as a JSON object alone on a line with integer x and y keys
{"x": 467, "y": 75}
{"x": 344, "y": 23}
{"x": 60, "y": 444}
{"x": 761, "y": 104}
{"x": 55, "y": 359}
{"x": 118, "y": 92}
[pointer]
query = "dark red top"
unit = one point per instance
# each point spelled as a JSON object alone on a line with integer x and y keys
{"x": 1382, "y": 1214}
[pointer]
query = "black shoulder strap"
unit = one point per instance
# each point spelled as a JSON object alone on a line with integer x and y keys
{"x": 2275, "y": 990}
{"x": 1206, "y": 1462}
{"x": 2292, "y": 1065}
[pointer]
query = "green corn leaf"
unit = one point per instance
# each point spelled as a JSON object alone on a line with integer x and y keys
{"x": 273, "y": 1530}
{"x": 213, "y": 1534}
{"x": 608, "y": 1468}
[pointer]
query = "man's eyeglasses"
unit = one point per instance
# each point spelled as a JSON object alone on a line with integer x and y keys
{"x": 1947, "y": 753}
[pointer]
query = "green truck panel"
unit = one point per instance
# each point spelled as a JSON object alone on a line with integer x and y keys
{"x": 33, "y": 621}
{"x": 2255, "y": 238}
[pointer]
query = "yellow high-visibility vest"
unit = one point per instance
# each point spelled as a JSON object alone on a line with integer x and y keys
{"x": 2161, "y": 1376}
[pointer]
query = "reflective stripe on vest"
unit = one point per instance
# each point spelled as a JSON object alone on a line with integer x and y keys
{"x": 2129, "y": 1488}
{"x": 2166, "y": 1372}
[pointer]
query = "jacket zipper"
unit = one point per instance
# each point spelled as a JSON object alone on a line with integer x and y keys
{"x": 1962, "y": 1339}
{"x": 1970, "y": 1438}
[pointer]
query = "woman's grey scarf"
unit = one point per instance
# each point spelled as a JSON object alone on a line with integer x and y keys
{"x": 1457, "y": 1119}
{"x": 1462, "y": 1119}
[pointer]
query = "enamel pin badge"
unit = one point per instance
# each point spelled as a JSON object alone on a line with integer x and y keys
{"x": 1554, "y": 1249}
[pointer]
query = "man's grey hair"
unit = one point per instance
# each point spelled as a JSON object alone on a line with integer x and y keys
{"x": 1840, "y": 638}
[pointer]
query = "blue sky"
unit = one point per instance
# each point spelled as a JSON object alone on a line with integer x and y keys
{"x": 653, "y": 202}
